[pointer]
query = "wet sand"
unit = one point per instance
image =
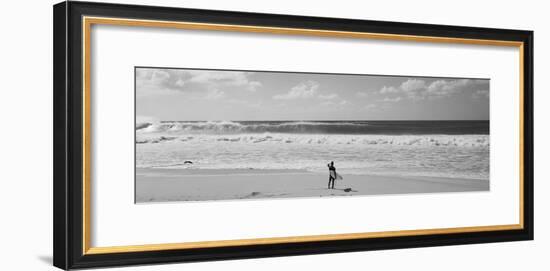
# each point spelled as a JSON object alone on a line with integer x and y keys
{"x": 164, "y": 185}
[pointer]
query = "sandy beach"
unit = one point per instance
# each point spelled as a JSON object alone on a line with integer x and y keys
{"x": 164, "y": 185}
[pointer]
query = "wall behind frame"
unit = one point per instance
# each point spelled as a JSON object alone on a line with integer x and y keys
{"x": 26, "y": 134}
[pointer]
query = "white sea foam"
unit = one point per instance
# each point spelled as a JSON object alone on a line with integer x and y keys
{"x": 322, "y": 139}
{"x": 465, "y": 156}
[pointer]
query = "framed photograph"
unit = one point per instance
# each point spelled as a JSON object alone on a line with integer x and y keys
{"x": 191, "y": 135}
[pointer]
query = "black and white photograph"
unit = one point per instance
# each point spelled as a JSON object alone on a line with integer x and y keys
{"x": 214, "y": 134}
{"x": 161, "y": 135}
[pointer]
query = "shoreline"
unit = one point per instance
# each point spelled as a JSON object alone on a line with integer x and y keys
{"x": 255, "y": 171}
{"x": 167, "y": 185}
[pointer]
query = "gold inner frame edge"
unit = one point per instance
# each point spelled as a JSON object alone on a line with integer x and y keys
{"x": 88, "y": 21}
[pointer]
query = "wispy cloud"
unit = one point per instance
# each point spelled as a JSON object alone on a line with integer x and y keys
{"x": 234, "y": 78}
{"x": 167, "y": 94}
{"x": 170, "y": 81}
{"x": 214, "y": 94}
{"x": 417, "y": 89}
{"x": 392, "y": 100}
{"x": 328, "y": 96}
{"x": 386, "y": 89}
{"x": 304, "y": 90}
{"x": 413, "y": 85}
{"x": 480, "y": 94}
{"x": 334, "y": 103}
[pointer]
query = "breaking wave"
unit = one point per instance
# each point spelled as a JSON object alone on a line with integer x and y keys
{"x": 316, "y": 127}
{"x": 419, "y": 148}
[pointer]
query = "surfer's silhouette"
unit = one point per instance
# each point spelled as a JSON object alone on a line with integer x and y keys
{"x": 331, "y": 175}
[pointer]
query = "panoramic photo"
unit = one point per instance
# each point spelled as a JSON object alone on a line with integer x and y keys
{"x": 205, "y": 135}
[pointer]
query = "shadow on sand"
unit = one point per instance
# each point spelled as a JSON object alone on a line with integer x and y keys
{"x": 347, "y": 190}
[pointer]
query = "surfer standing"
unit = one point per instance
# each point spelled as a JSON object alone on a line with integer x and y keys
{"x": 331, "y": 175}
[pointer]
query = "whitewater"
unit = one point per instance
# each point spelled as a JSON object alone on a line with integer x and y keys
{"x": 454, "y": 149}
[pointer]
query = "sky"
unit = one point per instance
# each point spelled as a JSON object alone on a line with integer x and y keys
{"x": 192, "y": 95}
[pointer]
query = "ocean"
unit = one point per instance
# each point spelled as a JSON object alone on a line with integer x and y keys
{"x": 454, "y": 149}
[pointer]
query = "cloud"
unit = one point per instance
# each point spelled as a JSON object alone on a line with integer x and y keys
{"x": 180, "y": 83}
{"x": 444, "y": 88}
{"x": 234, "y": 78}
{"x": 417, "y": 89}
{"x": 328, "y": 96}
{"x": 334, "y": 103}
{"x": 385, "y": 90}
{"x": 214, "y": 94}
{"x": 412, "y": 85}
{"x": 480, "y": 94}
{"x": 304, "y": 90}
{"x": 392, "y": 100}
{"x": 253, "y": 85}
{"x": 152, "y": 81}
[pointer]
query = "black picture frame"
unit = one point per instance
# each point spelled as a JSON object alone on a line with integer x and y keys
{"x": 68, "y": 136}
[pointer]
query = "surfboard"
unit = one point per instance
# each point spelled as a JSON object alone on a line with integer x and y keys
{"x": 336, "y": 175}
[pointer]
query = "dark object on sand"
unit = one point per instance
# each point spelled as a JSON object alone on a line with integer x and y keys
{"x": 347, "y": 190}
{"x": 187, "y": 162}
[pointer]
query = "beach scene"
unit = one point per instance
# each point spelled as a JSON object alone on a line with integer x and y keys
{"x": 206, "y": 135}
